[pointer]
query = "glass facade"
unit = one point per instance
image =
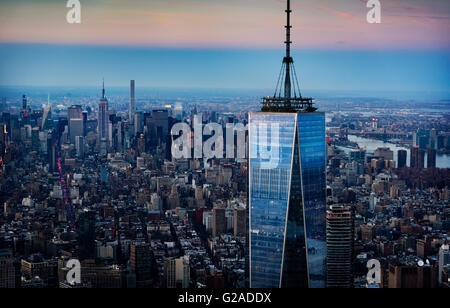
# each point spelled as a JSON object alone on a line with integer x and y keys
{"x": 287, "y": 200}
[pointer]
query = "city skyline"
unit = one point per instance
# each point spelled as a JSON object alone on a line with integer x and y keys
{"x": 189, "y": 167}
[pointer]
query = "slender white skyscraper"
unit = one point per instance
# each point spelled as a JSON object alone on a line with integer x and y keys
{"x": 103, "y": 116}
{"x": 132, "y": 99}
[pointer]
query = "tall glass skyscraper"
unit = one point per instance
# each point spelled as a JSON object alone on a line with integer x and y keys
{"x": 287, "y": 188}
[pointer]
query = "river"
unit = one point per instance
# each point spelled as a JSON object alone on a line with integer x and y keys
{"x": 442, "y": 161}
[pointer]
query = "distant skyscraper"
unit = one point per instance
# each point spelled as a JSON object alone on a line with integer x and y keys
{"x": 75, "y": 119}
{"x": 340, "y": 237}
{"x": 385, "y": 153}
{"x": 358, "y": 155}
{"x": 103, "y": 116}
{"x": 431, "y": 158}
{"x": 47, "y": 116}
{"x": 417, "y": 158}
{"x": 85, "y": 117}
{"x": 74, "y": 112}
{"x": 219, "y": 223}
{"x": 287, "y": 188}
{"x": 79, "y": 146}
{"x": 132, "y": 101}
{"x": 24, "y": 102}
{"x": 138, "y": 122}
{"x": 160, "y": 119}
{"x": 76, "y": 129}
{"x": 402, "y": 157}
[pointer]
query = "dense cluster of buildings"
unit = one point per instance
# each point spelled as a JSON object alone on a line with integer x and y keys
{"x": 102, "y": 187}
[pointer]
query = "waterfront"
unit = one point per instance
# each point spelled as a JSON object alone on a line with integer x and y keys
{"x": 442, "y": 161}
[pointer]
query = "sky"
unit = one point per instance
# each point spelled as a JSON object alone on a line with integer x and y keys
{"x": 226, "y": 43}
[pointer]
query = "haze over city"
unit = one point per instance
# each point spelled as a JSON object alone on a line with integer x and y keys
{"x": 226, "y": 44}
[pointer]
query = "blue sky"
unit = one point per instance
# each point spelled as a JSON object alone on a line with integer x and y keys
{"x": 61, "y": 65}
{"x": 226, "y": 44}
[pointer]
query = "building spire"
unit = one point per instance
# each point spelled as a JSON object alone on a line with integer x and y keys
{"x": 293, "y": 101}
{"x": 103, "y": 92}
{"x": 288, "y": 59}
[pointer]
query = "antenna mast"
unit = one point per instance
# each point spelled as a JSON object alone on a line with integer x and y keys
{"x": 103, "y": 92}
{"x": 291, "y": 102}
{"x": 288, "y": 59}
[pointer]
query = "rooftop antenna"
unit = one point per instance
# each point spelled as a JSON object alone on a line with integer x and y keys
{"x": 292, "y": 101}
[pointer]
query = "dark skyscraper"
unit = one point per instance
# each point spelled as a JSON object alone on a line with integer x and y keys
{"x": 24, "y": 102}
{"x": 141, "y": 264}
{"x": 86, "y": 235}
{"x": 417, "y": 158}
{"x": 431, "y": 158}
{"x": 340, "y": 237}
{"x": 7, "y": 270}
{"x": 402, "y": 157}
{"x": 287, "y": 189}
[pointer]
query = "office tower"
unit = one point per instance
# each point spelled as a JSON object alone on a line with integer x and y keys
{"x": 74, "y": 112}
{"x": 178, "y": 112}
{"x": 240, "y": 222}
{"x": 84, "y": 116}
{"x": 138, "y": 122}
{"x": 79, "y": 146}
{"x": 177, "y": 273}
{"x": 219, "y": 222}
{"x": 433, "y": 143}
{"x": 431, "y": 158}
{"x": 444, "y": 260}
{"x": 7, "y": 270}
{"x": 75, "y": 120}
{"x": 358, "y": 155}
{"x": 24, "y": 102}
{"x": 51, "y": 151}
{"x": 86, "y": 235}
{"x": 402, "y": 157}
{"x": 76, "y": 128}
{"x": 384, "y": 153}
{"x": 132, "y": 101}
{"x": 417, "y": 158}
{"x": 141, "y": 264}
{"x": 411, "y": 276}
{"x": 160, "y": 122}
{"x": 46, "y": 118}
{"x": 45, "y": 270}
{"x": 35, "y": 143}
{"x": 287, "y": 188}
{"x": 103, "y": 117}
{"x": 340, "y": 237}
